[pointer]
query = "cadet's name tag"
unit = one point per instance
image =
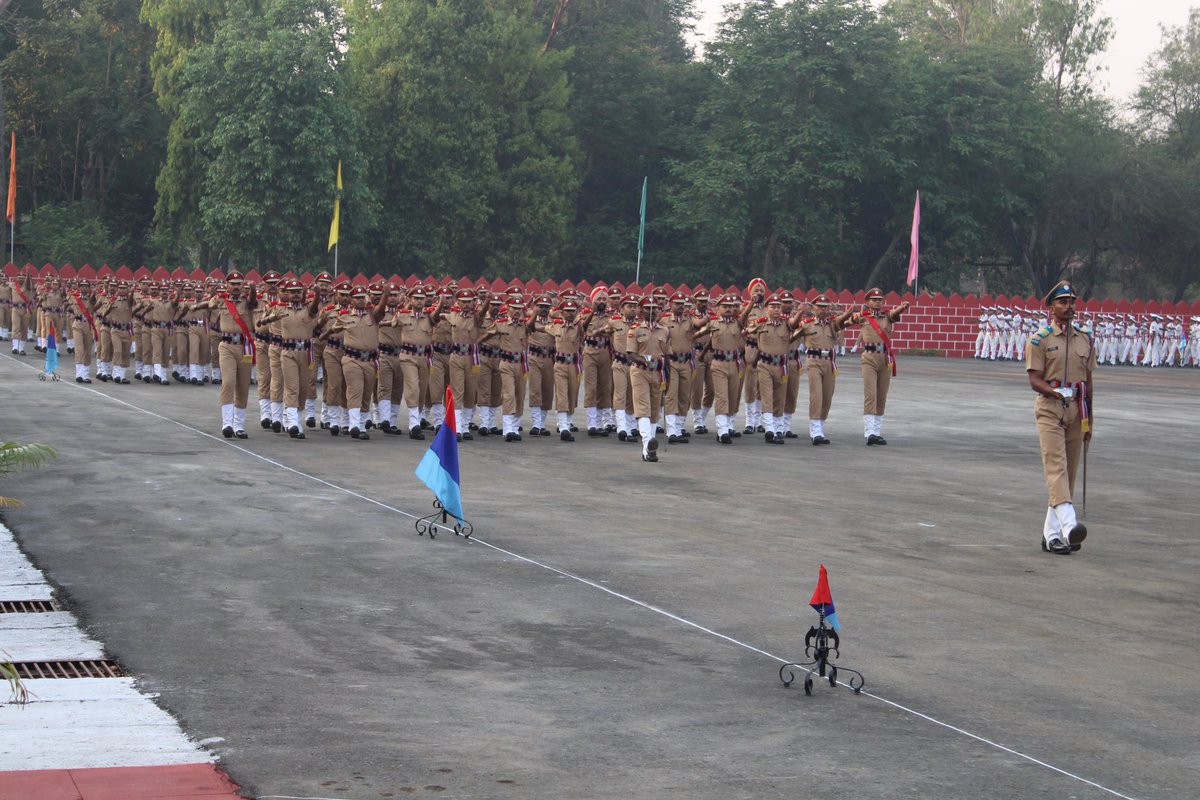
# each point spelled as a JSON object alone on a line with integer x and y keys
{"x": 1051, "y": 349}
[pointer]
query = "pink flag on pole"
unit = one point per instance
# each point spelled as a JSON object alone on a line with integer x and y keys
{"x": 914, "y": 239}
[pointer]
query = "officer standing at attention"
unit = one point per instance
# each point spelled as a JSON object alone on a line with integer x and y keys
{"x": 819, "y": 335}
{"x": 1059, "y": 359}
{"x": 878, "y": 359}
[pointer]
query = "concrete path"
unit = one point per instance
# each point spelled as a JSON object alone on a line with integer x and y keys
{"x": 615, "y": 628}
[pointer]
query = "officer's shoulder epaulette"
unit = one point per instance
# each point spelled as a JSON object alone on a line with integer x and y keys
{"x": 615, "y": 316}
{"x": 713, "y": 315}
{"x": 456, "y": 308}
{"x": 585, "y": 309}
{"x": 344, "y": 311}
{"x": 557, "y": 320}
{"x": 760, "y": 320}
{"x": 330, "y": 307}
{"x": 1041, "y": 333}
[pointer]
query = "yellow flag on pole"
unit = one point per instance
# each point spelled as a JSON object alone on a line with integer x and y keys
{"x": 337, "y": 209}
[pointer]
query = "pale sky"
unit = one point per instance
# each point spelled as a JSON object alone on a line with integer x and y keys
{"x": 1137, "y": 35}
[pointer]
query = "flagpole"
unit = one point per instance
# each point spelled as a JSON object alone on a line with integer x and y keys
{"x": 335, "y": 266}
{"x": 641, "y": 232}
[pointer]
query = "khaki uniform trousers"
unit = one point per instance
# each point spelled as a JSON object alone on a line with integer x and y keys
{"x": 702, "y": 382}
{"x": 276, "y": 361}
{"x": 678, "y": 397}
{"x": 20, "y": 322}
{"x": 197, "y": 348}
{"x": 726, "y": 381}
{"x": 750, "y": 378}
{"x": 293, "y": 373}
{"x": 160, "y": 347}
{"x": 464, "y": 381}
{"x": 104, "y": 347}
{"x": 360, "y": 382}
{"x": 179, "y": 355}
{"x": 214, "y": 349}
{"x": 235, "y": 375}
{"x": 439, "y": 371}
{"x": 771, "y": 388}
{"x": 391, "y": 380}
{"x": 335, "y": 384}
{"x": 622, "y": 387}
{"x": 119, "y": 342}
{"x": 792, "y": 390}
{"x": 145, "y": 344}
{"x": 647, "y": 392}
{"x": 512, "y": 387}
{"x": 821, "y": 382}
{"x": 566, "y": 387}
{"x": 1060, "y": 434}
{"x": 83, "y": 343}
{"x": 598, "y": 379}
{"x": 541, "y": 381}
{"x": 268, "y": 367}
{"x": 317, "y": 359}
{"x": 877, "y": 377}
{"x": 415, "y": 371}
{"x": 487, "y": 382}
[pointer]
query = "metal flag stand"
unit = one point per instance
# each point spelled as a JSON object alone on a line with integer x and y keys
{"x": 817, "y": 647}
{"x": 430, "y": 523}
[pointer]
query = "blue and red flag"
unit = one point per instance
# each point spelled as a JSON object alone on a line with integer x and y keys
{"x": 439, "y": 467}
{"x": 51, "y": 351}
{"x": 822, "y": 600}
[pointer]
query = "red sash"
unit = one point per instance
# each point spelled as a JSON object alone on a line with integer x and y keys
{"x": 86, "y": 314}
{"x": 17, "y": 289}
{"x": 248, "y": 348}
{"x": 887, "y": 342}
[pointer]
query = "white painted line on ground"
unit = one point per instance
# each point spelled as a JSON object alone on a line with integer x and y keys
{"x": 606, "y": 590}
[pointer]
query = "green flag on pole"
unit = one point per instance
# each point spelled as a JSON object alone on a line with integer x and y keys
{"x": 642, "y": 230}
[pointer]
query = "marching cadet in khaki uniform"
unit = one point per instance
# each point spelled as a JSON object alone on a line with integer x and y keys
{"x": 234, "y": 310}
{"x": 118, "y": 317}
{"x": 194, "y": 321}
{"x": 757, "y": 290}
{"x": 81, "y": 306}
{"x": 819, "y": 335}
{"x": 51, "y": 300}
{"x": 5, "y": 309}
{"x": 488, "y": 394}
{"x": 390, "y": 392}
{"x": 416, "y": 336}
{"x": 509, "y": 336}
{"x": 323, "y": 288}
{"x": 100, "y": 298}
{"x": 617, "y": 330}
{"x": 727, "y": 341}
{"x": 541, "y": 368}
{"x": 359, "y": 328}
{"x": 466, "y": 324}
{"x": 795, "y": 360}
{"x": 334, "y": 408}
{"x": 878, "y": 359}
{"x": 702, "y": 384}
{"x": 646, "y": 347}
{"x": 270, "y": 369}
{"x": 23, "y": 299}
{"x": 681, "y": 326}
{"x": 774, "y": 335}
{"x": 293, "y": 323}
{"x": 140, "y": 344}
{"x": 439, "y": 366}
{"x": 598, "y": 364}
{"x": 1060, "y": 359}
{"x": 158, "y": 317}
{"x": 568, "y": 333}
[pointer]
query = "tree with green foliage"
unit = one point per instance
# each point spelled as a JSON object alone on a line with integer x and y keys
{"x": 264, "y": 105}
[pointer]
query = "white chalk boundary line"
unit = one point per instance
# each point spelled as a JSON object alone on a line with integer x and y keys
{"x": 593, "y": 584}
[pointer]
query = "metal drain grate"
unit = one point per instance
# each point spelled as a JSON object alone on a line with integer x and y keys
{"x": 68, "y": 669}
{"x": 25, "y": 606}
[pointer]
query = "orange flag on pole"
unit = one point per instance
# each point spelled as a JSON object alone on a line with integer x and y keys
{"x": 11, "y": 216}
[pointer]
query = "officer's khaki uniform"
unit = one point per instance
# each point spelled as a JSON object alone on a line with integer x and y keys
{"x": 622, "y": 386}
{"x": 390, "y": 391}
{"x": 235, "y": 357}
{"x": 81, "y": 309}
{"x": 646, "y": 348}
{"x": 728, "y": 344}
{"x": 702, "y": 383}
{"x": 439, "y": 371}
{"x": 465, "y": 329}
{"x": 681, "y": 335}
{"x": 295, "y": 331}
{"x": 509, "y": 338}
{"x": 1064, "y": 361}
{"x": 568, "y": 361}
{"x": 333, "y": 408}
{"x": 360, "y": 345}
{"x": 774, "y": 341}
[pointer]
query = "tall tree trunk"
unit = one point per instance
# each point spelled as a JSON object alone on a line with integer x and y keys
{"x": 873, "y": 277}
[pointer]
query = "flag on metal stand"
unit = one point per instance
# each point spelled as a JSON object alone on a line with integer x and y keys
{"x": 439, "y": 467}
{"x": 51, "y": 351}
{"x": 822, "y": 600}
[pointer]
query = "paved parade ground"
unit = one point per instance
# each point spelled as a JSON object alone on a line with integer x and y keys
{"x": 615, "y": 628}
